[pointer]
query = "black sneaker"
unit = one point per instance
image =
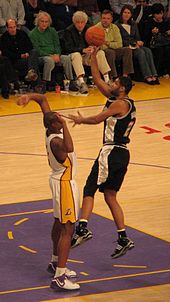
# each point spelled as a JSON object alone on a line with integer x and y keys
{"x": 73, "y": 86}
{"x": 52, "y": 268}
{"x": 122, "y": 247}
{"x": 81, "y": 236}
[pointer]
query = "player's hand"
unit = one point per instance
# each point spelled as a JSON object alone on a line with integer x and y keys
{"x": 23, "y": 100}
{"x": 94, "y": 50}
{"x": 76, "y": 119}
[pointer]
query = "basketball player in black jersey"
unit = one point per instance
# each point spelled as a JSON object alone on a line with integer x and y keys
{"x": 110, "y": 167}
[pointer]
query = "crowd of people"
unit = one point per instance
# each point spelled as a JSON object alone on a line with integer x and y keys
{"x": 44, "y": 42}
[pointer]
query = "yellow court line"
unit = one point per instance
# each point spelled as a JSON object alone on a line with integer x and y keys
{"x": 84, "y": 273}
{"x": 10, "y": 235}
{"x": 24, "y": 213}
{"x": 20, "y": 221}
{"x": 75, "y": 261}
{"x": 87, "y": 281}
{"x": 45, "y": 211}
{"x": 27, "y": 249}
{"x": 129, "y": 266}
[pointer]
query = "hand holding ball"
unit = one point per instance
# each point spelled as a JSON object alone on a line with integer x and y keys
{"x": 95, "y": 36}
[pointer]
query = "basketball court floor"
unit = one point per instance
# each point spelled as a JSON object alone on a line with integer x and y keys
{"x": 26, "y": 218}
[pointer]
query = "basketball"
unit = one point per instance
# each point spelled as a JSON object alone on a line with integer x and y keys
{"x": 95, "y": 36}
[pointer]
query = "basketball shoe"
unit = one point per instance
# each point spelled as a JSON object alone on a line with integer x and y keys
{"x": 64, "y": 283}
{"x": 123, "y": 245}
{"x": 52, "y": 268}
{"x": 80, "y": 236}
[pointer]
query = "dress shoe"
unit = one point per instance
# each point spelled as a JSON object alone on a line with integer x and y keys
{"x": 5, "y": 95}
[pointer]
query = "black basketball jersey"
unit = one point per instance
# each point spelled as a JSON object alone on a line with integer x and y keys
{"x": 117, "y": 129}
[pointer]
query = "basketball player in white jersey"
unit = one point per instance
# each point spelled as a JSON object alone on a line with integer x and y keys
{"x": 110, "y": 167}
{"x": 65, "y": 193}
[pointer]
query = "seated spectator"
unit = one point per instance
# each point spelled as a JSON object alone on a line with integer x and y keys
{"x": 32, "y": 8}
{"x": 131, "y": 38}
{"x": 16, "y": 45}
{"x": 46, "y": 41}
{"x": 166, "y": 5}
{"x": 12, "y": 9}
{"x": 154, "y": 25}
{"x": 76, "y": 45}
{"x": 103, "y": 4}
{"x": 141, "y": 13}
{"x": 116, "y": 6}
{"x": 61, "y": 12}
{"x": 113, "y": 46}
{"x": 7, "y": 76}
{"x": 91, "y": 9}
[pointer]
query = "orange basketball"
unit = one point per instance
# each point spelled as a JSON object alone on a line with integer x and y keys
{"x": 95, "y": 36}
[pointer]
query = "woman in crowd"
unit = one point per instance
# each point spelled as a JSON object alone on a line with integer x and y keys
{"x": 131, "y": 37}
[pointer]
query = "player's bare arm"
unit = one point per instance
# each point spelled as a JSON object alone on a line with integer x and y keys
{"x": 117, "y": 108}
{"x": 104, "y": 88}
{"x": 38, "y": 98}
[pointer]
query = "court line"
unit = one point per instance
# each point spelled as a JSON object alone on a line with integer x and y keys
{"x": 87, "y": 281}
{"x": 51, "y": 210}
{"x": 82, "y": 107}
{"x": 81, "y": 158}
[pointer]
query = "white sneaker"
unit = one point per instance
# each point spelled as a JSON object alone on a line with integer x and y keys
{"x": 64, "y": 283}
{"x": 70, "y": 274}
{"x": 166, "y": 76}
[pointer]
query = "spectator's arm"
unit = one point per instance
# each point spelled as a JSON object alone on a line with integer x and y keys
{"x": 21, "y": 13}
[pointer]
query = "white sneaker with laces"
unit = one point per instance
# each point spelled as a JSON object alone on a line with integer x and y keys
{"x": 64, "y": 283}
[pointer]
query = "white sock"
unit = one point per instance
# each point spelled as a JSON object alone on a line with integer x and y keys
{"x": 106, "y": 77}
{"x": 59, "y": 271}
{"x": 54, "y": 258}
{"x": 80, "y": 80}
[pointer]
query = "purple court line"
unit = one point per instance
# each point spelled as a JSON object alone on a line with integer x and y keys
{"x": 83, "y": 158}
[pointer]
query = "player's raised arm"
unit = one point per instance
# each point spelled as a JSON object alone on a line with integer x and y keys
{"x": 40, "y": 99}
{"x": 105, "y": 89}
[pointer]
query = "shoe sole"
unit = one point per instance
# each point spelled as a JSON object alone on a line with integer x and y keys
{"x": 53, "y": 285}
{"x": 81, "y": 240}
{"x": 123, "y": 252}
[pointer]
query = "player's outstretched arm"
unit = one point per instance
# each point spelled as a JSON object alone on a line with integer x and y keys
{"x": 40, "y": 99}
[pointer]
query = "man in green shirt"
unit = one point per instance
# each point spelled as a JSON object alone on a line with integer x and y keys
{"x": 46, "y": 41}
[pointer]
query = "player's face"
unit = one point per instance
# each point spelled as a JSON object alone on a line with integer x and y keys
{"x": 106, "y": 20}
{"x": 80, "y": 25}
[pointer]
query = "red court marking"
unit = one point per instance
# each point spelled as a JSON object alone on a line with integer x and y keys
{"x": 167, "y": 125}
{"x": 150, "y": 130}
{"x": 167, "y": 138}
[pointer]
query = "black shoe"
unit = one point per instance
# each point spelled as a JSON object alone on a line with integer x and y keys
{"x": 80, "y": 236}
{"x": 149, "y": 82}
{"x": 5, "y": 95}
{"x": 73, "y": 86}
{"x": 123, "y": 245}
{"x": 156, "y": 82}
{"x": 52, "y": 268}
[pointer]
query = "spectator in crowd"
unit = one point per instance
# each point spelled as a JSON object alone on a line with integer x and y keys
{"x": 113, "y": 46}
{"x": 166, "y": 5}
{"x": 7, "y": 76}
{"x": 16, "y": 45}
{"x": 12, "y": 9}
{"x": 140, "y": 13}
{"x": 46, "y": 41}
{"x": 103, "y": 4}
{"x": 76, "y": 45}
{"x": 131, "y": 38}
{"x": 32, "y": 8}
{"x": 156, "y": 24}
{"x": 91, "y": 9}
{"x": 61, "y": 12}
{"x": 116, "y": 6}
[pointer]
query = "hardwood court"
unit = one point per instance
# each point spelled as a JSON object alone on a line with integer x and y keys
{"x": 145, "y": 192}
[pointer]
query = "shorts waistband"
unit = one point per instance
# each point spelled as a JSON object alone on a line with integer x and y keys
{"x": 116, "y": 145}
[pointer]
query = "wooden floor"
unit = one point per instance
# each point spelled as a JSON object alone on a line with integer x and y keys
{"x": 145, "y": 194}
